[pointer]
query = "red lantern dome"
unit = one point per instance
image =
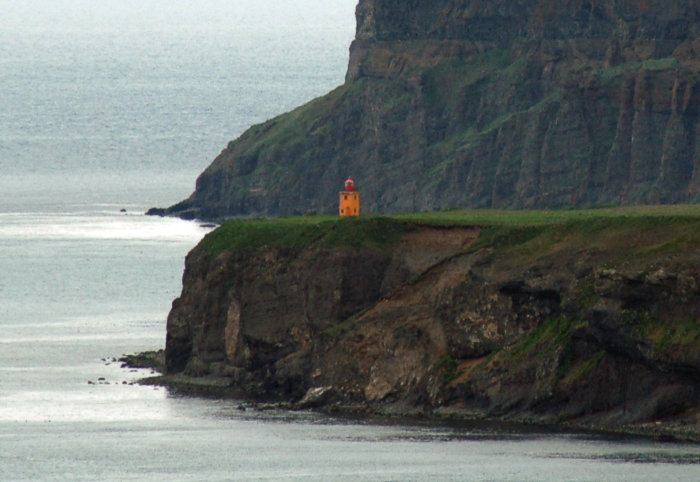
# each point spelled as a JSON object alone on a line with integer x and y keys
{"x": 349, "y": 185}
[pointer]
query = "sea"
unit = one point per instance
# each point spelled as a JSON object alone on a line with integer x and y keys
{"x": 110, "y": 107}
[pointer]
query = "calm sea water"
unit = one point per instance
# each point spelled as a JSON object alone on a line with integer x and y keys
{"x": 111, "y": 105}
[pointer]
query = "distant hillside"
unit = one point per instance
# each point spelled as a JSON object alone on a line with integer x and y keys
{"x": 464, "y": 103}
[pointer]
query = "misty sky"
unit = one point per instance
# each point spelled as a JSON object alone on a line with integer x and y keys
{"x": 153, "y": 15}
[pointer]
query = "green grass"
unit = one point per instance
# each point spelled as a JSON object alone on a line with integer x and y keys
{"x": 584, "y": 368}
{"x": 606, "y": 75}
{"x": 295, "y": 232}
{"x": 288, "y": 131}
{"x": 665, "y": 63}
{"x": 552, "y": 343}
{"x": 447, "y": 366}
{"x": 452, "y": 84}
{"x": 662, "y": 334}
{"x": 446, "y": 81}
{"x": 680, "y": 333}
{"x": 625, "y": 237}
{"x": 250, "y": 234}
{"x": 627, "y": 233}
{"x": 345, "y": 324}
{"x": 545, "y": 339}
{"x": 527, "y": 217}
{"x": 643, "y": 231}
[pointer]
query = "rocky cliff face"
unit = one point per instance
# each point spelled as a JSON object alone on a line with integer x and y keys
{"x": 502, "y": 103}
{"x": 592, "y": 322}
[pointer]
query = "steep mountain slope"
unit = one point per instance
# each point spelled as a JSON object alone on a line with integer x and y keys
{"x": 505, "y": 103}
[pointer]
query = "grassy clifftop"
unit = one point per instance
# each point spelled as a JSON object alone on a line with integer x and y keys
{"x": 648, "y": 229}
{"x": 374, "y": 232}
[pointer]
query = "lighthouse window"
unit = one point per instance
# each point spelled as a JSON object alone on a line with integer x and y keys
{"x": 346, "y": 197}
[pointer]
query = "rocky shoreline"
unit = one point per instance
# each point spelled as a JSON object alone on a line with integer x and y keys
{"x": 220, "y": 387}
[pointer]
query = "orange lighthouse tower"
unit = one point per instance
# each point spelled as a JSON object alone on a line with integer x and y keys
{"x": 349, "y": 200}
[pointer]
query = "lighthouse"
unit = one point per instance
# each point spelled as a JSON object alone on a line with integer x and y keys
{"x": 349, "y": 200}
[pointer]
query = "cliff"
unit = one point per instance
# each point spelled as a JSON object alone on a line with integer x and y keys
{"x": 468, "y": 103}
{"x": 590, "y": 318}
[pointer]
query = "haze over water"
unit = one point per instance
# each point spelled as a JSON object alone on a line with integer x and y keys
{"x": 111, "y": 105}
{"x": 152, "y": 89}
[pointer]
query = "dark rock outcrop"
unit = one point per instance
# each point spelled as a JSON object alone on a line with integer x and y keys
{"x": 470, "y": 103}
{"x": 594, "y": 323}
